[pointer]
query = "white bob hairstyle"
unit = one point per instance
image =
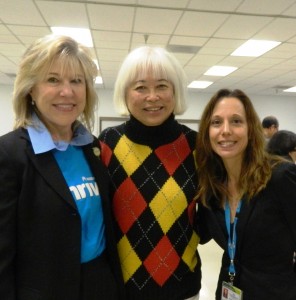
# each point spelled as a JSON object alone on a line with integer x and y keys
{"x": 161, "y": 64}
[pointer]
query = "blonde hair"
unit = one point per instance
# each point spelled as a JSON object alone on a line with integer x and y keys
{"x": 34, "y": 66}
{"x": 161, "y": 63}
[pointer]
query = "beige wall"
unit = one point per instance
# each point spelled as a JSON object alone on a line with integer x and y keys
{"x": 284, "y": 108}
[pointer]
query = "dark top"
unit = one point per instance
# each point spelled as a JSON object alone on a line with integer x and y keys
{"x": 266, "y": 239}
{"x": 154, "y": 178}
{"x": 40, "y": 227}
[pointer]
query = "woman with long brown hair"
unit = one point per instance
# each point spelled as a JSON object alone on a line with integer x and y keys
{"x": 249, "y": 201}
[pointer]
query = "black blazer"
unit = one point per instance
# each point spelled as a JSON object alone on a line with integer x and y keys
{"x": 40, "y": 227}
{"x": 266, "y": 239}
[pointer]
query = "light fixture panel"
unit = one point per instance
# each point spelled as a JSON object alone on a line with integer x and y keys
{"x": 255, "y": 48}
{"x": 81, "y": 35}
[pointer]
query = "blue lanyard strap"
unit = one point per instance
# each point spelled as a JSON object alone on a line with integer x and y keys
{"x": 231, "y": 239}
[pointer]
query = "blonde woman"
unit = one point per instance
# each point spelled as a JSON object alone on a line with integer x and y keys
{"x": 55, "y": 225}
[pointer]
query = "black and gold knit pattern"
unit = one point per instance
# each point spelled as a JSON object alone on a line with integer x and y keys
{"x": 154, "y": 207}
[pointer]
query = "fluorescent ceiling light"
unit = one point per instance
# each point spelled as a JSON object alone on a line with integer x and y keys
{"x": 290, "y": 90}
{"x": 220, "y": 71}
{"x": 99, "y": 80}
{"x": 81, "y": 35}
{"x": 97, "y": 64}
{"x": 255, "y": 48}
{"x": 199, "y": 84}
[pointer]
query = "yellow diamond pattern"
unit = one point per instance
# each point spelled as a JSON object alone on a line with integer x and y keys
{"x": 168, "y": 204}
{"x": 130, "y": 155}
{"x": 189, "y": 256}
{"x": 130, "y": 262}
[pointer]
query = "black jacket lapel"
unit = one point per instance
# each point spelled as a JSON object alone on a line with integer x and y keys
{"x": 48, "y": 168}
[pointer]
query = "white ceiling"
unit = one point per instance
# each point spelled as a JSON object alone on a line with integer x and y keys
{"x": 218, "y": 27}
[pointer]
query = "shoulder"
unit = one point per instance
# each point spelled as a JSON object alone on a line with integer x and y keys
{"x": 282, "y": 170}
{"x": 190, "y": 134}
{"x": 112, "y": 132}
{"x": 13, "y": 150}
{"x": 13, "y": 134}
{"x": 14, "y": 139}
{"x": 187, "y": 130}
{"x": 283, "y": 178}
{"x": 93, "y": 155}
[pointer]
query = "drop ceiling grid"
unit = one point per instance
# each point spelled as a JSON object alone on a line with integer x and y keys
{"x": 117, "y": 26}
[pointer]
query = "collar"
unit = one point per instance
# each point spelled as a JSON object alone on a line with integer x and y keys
{"x": 42, "y": 141}
{"x": 162, "y": 134}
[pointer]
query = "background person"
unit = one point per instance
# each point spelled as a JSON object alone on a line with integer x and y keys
{"x": 151, "y": 163}
{"x": 283, "y": 143}
{"x": 248, "y": 200}
{"x": 270, "y": 126}
{"x": 55, "y": 222}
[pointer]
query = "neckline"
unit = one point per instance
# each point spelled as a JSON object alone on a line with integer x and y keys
{"x": 153, "y": 136}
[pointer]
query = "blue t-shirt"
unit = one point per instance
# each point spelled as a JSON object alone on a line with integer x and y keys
{"x": 86, "y": 194}
{"x": 80, "y": 180}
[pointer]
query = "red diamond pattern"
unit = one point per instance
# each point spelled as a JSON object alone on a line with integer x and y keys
{"x": 106, "y": 153}
{"x": 172, "y": 159}
{"x": 128, "y": 204}
{"x": 162, "y": 261}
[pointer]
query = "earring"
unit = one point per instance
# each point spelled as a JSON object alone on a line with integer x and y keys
{"x": 33, "y": 102}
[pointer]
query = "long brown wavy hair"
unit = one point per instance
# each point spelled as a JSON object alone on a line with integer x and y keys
{"x": 257, "y": 163}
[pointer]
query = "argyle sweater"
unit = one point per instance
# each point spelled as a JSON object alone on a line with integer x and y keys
{"x": 154, "y": 182}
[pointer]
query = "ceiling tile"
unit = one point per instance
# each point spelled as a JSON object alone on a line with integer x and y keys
{"x": 117, "y": 26}
{"x": 281, "y": 29}
{"x": 221, "y": 5}
{"x": 111, "y": 40}
{"x": 11, "y": 39}
{"x": 33, "y": 31}
{"x": 206, "y": 60}
{"x": 128, "y": 2}
{"x": 290, "y": 11}
{"x": 110, "y": 17}
{"x": 20, "y": 12}
{"x": 4, "y": 30}
{"x": 158, "y": 40}
{"x": 263, "y": 7}
{"x": 189, "y": 41}
{"x": 165, "y": 3}
{"x": 193, "y": 24}
{"x": 54, "y": 13}
{"x": 147, "y": 20}
{"x": 111, "y": 54}
{"x": 241, "y": 27}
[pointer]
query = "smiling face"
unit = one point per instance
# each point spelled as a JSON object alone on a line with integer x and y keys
{"x": 60, "y": 98}
{"x": 228, "y": 130}
{"x": 150, "y": 100}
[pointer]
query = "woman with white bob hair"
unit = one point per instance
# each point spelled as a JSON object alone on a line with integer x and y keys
{"x": 150, "y": 159}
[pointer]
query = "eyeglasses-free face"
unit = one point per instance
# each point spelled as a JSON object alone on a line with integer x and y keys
{"x": 60, "y": 99}
{"x": 150, "y": 100}
{"x": 228, "y": 130}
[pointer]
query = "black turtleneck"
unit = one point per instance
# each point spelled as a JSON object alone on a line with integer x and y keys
{"x": 153, "y": 136}
{"x": 154, "y": 183}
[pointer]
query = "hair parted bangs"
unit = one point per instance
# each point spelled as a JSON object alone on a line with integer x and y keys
{"x": 37, "y": 61}
{"x": 160, "y": 64}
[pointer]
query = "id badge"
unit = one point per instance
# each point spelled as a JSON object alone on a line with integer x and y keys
{"x": 230, "y": 292}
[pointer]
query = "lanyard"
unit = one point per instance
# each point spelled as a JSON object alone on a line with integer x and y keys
{"x": 231, "y": 240}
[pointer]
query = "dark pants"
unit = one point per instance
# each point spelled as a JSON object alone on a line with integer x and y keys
{"x": 97, "y": 280}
